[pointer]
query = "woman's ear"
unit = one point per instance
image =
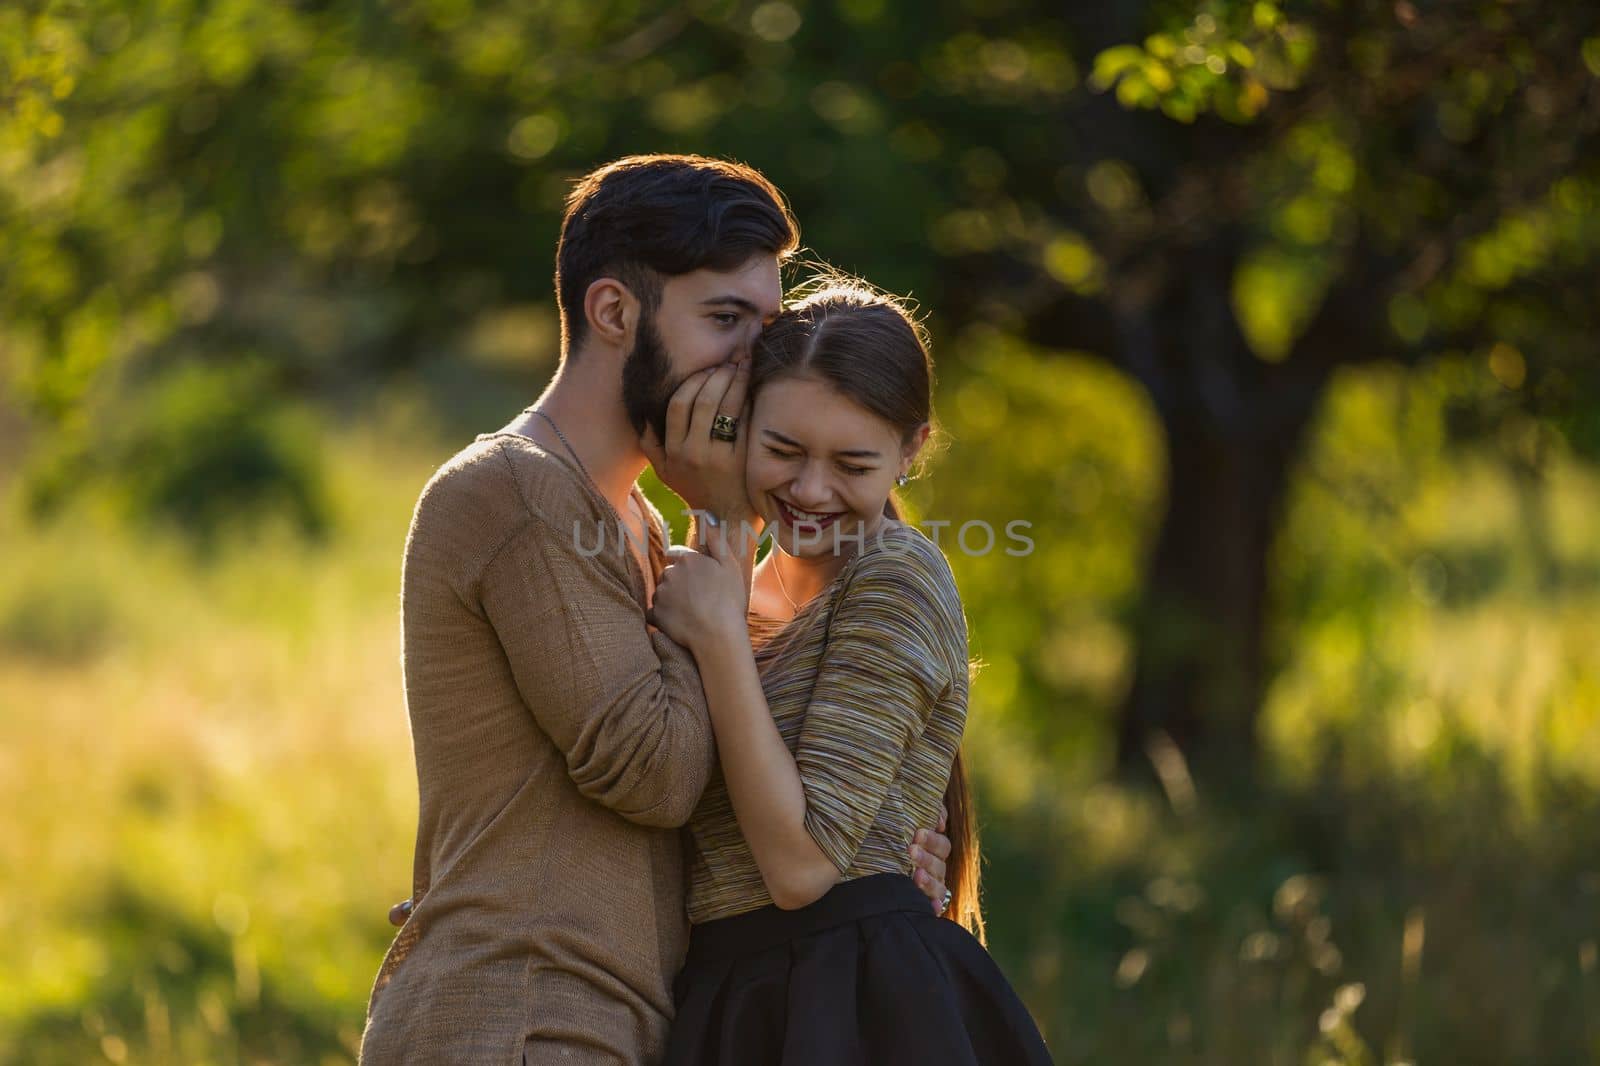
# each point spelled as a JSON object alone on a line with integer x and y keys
{"x": 913, "y": 445}
{"x": 612, "y": 311}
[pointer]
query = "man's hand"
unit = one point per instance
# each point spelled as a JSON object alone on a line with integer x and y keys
{"x": 707, "y": 473}
{"x": 929, "y": 849}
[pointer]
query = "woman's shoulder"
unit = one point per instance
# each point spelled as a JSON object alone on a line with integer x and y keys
{"x": 901, "y": 558}
{"x": 900, "y": 544}
{"x": 901, "y": 596}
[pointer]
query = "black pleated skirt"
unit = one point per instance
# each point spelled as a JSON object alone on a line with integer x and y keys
{"x": 865, "y": 976}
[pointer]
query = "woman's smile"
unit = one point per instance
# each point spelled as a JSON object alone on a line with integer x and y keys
{"x": 796, "y": 518}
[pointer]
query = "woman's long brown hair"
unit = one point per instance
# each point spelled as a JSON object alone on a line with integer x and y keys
{"x": 961, "y": 873}
{"x": 870, "y": 347}
{"x": 963, "y": 866}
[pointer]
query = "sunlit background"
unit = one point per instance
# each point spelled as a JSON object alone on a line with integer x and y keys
{"x": 1277, "y": 320}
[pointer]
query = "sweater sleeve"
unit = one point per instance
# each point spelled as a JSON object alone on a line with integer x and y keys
{"x": 623, "y": 703}
{"x": 885, "y": 668}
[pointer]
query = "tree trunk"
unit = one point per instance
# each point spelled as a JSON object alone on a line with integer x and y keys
{"x": 1199, "y": 673}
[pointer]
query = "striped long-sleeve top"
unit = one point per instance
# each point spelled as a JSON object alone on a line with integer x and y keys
{"x": 868, "y": 687}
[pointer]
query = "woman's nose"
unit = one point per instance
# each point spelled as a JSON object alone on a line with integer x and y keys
{"x": 810, "y": 488}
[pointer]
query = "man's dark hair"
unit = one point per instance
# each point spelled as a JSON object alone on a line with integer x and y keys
{"x": 647, "y": 217}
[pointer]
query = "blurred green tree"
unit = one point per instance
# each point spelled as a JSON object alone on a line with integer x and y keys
{"x": 1283, "y": 191}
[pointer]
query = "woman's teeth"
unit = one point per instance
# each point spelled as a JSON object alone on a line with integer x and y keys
{"x": 815, "y": 518}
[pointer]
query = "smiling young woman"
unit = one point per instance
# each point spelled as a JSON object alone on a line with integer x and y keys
{"x": 837, "y": 734}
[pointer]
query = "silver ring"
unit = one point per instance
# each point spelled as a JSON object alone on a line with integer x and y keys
{"x": 944, "y": 904}
{"x": 725, "y": 427}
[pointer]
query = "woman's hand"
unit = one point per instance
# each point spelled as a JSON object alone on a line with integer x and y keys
{"x": 706, "y": 472}
{"x": 701, "y": 595}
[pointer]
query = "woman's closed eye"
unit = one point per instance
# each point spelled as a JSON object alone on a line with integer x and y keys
{"x": 853, "y": 471}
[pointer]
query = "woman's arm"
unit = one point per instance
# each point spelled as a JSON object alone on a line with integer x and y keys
{"x": 763, "y": 782}
{"x": 700, "y": 602}
{"x": 804, "y": 819}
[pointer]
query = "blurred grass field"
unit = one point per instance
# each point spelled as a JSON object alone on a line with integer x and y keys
{"x": 207, "y": 766}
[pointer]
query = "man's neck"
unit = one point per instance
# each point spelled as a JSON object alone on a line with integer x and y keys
{"x": 594, "y": 423}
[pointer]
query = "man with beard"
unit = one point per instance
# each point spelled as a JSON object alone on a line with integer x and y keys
{"x": 560, "y": 740}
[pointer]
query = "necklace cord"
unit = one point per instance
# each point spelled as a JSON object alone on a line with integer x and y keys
{"x": 585, "y": 470}
{"x": 564, "y": 443}
{"x": 778, "y": 573}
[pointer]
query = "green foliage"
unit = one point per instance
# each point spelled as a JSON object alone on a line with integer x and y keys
{"x": 1415, "y": 582}
{"x": 214, "y": 888}
{"x": 66, "y": 618}
{"x": 215, "y": 214}
{"x": 176, "y": 989}
{"x": 1342, "y": 923}
{"x": 1068, "y": 450}
{"x": 350, "y": 188}
{"x": 205, "y": 448}
{"x": 1229, "y": 67}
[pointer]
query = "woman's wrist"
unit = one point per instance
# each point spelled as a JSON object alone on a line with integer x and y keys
{"x": 723, "y": 635}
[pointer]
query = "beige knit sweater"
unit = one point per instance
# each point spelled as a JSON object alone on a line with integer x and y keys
{"x": 560, "y": 743}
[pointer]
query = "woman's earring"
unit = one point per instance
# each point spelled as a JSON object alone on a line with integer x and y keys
{"x": 901, "y": 480}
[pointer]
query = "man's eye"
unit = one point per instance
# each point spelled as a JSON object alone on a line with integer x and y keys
{"x": 855, "y": 471}
{"x": 725, "y": 318}
{"x": 780, "y": 454}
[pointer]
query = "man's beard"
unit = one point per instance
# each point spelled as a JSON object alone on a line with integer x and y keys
{"x": 647, "y": 384}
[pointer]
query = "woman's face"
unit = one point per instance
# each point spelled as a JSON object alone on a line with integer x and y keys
{"x": 820, "y": 465}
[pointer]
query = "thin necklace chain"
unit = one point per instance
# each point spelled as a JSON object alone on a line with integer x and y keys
{"x": 574, "y": 453}
{"x": 565, "y": 442}
{"x": 778, "y": 573}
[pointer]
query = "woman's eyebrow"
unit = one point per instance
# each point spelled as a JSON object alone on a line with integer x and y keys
{"x": 853, "y": 453}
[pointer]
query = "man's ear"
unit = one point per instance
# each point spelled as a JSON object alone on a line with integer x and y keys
{"x": 611, "y": 310}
